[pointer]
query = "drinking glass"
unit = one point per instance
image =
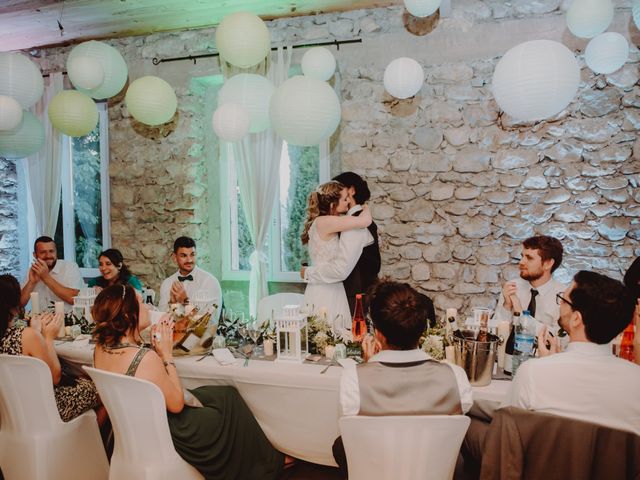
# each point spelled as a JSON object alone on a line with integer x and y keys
{"x": 254, "y": 332}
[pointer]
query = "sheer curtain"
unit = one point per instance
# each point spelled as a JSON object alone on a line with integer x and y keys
{"x": 258, "y": 166}
{"x": 44, "y": 169}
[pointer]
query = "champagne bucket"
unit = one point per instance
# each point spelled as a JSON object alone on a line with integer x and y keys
{"x": 477, "y": 358}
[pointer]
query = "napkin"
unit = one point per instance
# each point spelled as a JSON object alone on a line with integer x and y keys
{"x": 224, "y": 356}
{"x": 347, "y": 362}
{"x": 81, "y": 340}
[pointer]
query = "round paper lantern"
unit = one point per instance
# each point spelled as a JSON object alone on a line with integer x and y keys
{"x": 403, "y": 77}
{"x": 151, "y": 100}
{"x": 243, "y": 39}
{"x": 231, "y": 122}
{"x": 114, "y": 68}
{"x": 10, "y": 113}
{"x": 421, "y": 8}
{"x": 589, "y": 18}
{"x": 73, "y": 113}
{"x": 607, "y": 52}
{"x": 85, "y": 72}
{"x": 318, "y": 62}
{"x": 21, "y": 79}
{"x": 635, "y": 11}
{"x": 304, "y": 111}
{"x": 536, "y": 80}
{"x": 26, "y": 140}
{"x": 253, "y": 92}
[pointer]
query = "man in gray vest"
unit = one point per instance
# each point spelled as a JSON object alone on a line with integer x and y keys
{"x": 397, "y": 377}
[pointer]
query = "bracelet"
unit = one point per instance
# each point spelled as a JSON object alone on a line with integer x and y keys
{"x": 166, "y": 364}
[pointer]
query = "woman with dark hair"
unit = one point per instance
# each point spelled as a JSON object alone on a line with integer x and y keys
{"x": 218, "y": 435}
{"x": 114, "y": 271}
{"x": 73, "y": 395}
{"x": 632, "y": 282}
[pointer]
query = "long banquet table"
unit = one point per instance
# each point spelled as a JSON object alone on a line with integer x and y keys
{"x": 296, "y": 406}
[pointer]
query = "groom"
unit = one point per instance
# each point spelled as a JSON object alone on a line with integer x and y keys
{"x": 358, "y": 261}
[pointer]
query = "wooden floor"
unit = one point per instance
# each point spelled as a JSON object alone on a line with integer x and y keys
{"x": 309, "y": 471}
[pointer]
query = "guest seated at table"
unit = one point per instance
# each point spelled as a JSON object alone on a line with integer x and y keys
{"x": 218, "y": 435}
{"x": 632, "y": 282}
{"x": 73, "y": 395}
{"x": 113, "y": 271}
{"x": 399, "y": 315}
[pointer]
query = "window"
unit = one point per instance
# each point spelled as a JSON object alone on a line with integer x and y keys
{"x": 301, "y": 170}
{"x": 83, "y": 222}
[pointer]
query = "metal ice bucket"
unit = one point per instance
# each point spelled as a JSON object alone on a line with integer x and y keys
{"x": 477, "y": 358}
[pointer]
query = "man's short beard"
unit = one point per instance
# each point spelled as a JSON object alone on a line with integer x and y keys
{"x": 530, "y": 277}
{"x": 54, "y": 264}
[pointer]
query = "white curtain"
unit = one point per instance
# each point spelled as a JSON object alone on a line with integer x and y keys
{"x": 44, "y": 169}
{"x": 258, "y": 166}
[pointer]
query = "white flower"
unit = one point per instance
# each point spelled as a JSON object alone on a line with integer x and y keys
{"x": 434, "y": 346}
{"x": 344, "y": 335}
{"x": 188, "y": 309}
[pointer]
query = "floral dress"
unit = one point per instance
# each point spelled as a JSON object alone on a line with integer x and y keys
{"x": 74, "y": 395}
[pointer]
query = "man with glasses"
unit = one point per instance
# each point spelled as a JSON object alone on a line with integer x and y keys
{"x": 536, "y": 289}
{"x": 586, "y": 381}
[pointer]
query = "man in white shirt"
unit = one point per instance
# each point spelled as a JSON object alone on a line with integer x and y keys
{"x": 585, "y": 382}
{"x": 397, "y": 377}
{"x": 189, "y": 279}
{"x": 54, "y": 280}
{"x": 535, "y": 290}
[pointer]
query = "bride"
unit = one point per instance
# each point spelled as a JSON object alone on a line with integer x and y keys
{"x": 324, "y": 221}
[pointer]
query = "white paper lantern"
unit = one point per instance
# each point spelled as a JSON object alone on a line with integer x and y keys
{"x": 589, "y": 18}
{"x": 635, "y": 11}
{"x": 151, "y": 100}
{"x": 231, "y": 122}
{"x": 73, "y": 113}
{"x": 253, "y": 92}
{"x": 113, "y": 66}
{"x": 305, "y": 111}
{"x": 536, "y": 80}
{"x": 21, "y": 79}
{"x": 318, "y": 62}
{"x": 243, "y": 39}
{"x": 403, "y": 77}
{"x": 26, "y": 140}
{"x": 85, "y": 72}
{"x": 10, "y": 113}
{"x": 421, "y": 8}
{"x": 607, "y": 52}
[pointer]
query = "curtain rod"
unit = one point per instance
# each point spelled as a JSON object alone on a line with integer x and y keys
{"x": 337, "y": 44}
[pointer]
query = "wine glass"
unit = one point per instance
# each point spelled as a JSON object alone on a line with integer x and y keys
{"x": 254, "y": 332}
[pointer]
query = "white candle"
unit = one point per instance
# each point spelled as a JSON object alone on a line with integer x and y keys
{"x": 450, "y": 354}
{"x": 268, "y": 347}
{"x": 503, "y": 331}
{"x": 451, "y": 312}
{"x": 59, "y": 307}
{"x": 35, "y": 303}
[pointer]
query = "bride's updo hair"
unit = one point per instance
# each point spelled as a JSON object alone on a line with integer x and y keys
{"x": 321, "y": 201}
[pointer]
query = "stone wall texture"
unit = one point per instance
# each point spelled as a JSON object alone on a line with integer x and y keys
{"x": 456, "y": 184}
{"x": 9, "y": 242}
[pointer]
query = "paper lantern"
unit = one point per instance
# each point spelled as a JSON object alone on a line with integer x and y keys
{"x": 607, "y": 52}
{"x": 536, "y": 80}
{"x": 243, "y": 39}
{"x": 318, "y": 62}
{"x": 10, "y": 113}
{"x": 113, "y": 66}
{"x": 73, "y": 113}
{"x": 26, "y": 140}
{"x": 151, "y": 100}
{"x": 589, "y": 18}
{"x": 403, "y": 77}
{"x": 421, "y": 8}
{"x": 635, "y": 11}
{"x": 85, "y": 72}
{"x": 21, "y": 79}
{"x": 231, "y": 122}
{"x": 304, "y": 111}
{"x": 253, "y": 92}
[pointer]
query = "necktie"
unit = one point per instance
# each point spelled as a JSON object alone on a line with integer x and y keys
{"x": 532, "y": 302}
{"x": 187, "y": 278}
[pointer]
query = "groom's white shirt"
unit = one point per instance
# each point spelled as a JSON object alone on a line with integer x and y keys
{"x": 352, "y": 242}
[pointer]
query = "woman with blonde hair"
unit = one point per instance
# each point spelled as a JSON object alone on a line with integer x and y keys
{"x": 324, "y": 222}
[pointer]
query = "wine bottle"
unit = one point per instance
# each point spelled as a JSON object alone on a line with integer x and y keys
{"x": 483, "y": 334}
{"x": 508, "y": 349}
{"x": 626, "y": 344}
{"x": 358, "y": 325}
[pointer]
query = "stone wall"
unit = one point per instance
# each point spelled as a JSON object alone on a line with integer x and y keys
{"x": 9, "y": 242}
{"x": 456, "y": 185}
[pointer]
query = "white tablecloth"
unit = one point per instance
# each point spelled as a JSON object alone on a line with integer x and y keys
{"x": 296, "y": 406}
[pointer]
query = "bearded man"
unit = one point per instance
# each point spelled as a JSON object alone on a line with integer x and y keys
{"x": 535, "y": 290}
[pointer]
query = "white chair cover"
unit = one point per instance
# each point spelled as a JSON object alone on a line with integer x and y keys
{"x": 35, "y": 443}
{"x": 143, "y": 448}
{"x": 420, "y": 447}
{"x": 274, "y": 303}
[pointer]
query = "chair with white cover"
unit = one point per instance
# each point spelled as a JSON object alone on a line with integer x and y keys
{"x": 35, "y": 444}
{"x": 418, "y": 447}
{"x": 271, "y": 306}
{"x": 143, "y": 448}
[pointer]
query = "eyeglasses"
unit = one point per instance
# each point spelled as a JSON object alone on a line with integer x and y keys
{"x": 560, "y": 299}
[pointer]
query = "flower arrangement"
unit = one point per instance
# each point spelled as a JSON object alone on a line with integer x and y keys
{"x": 434, "y": 340}
{"x": 322, "y": 333}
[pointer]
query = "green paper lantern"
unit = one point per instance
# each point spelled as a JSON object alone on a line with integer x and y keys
{"x": 151, "y": 100}
{"x": 21, "y": 79}
{"x": 114, "y": 68}
{"x": 73, "y": 113}
{"x": 25, "y": 140}
{"x": 243, "y": 39}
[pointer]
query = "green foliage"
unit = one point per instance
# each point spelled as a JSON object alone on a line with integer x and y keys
{"x": 245, "y": 243}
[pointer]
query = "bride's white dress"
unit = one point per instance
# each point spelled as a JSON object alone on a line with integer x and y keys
{"x": 330, "y": 296}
